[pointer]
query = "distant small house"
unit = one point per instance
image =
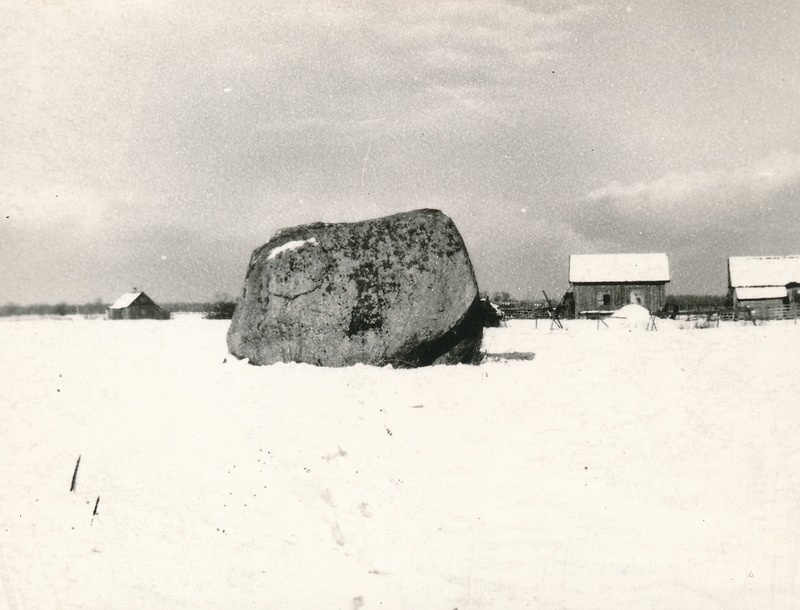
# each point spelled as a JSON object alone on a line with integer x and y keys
{"x": 764, "y": 281}
{"x": 607, "y": 282}
{"x": 136, "y": 306}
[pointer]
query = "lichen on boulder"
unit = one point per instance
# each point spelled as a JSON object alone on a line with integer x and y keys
{"x": 396, "y": 290}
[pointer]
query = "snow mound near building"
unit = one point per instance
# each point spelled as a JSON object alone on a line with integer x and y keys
{"x": 630, "y": 316}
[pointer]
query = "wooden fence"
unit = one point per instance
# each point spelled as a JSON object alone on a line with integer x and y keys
{"x": 537, "y": 310}
{"x": 523, "y": 310}
{"x": 783, "y": 312}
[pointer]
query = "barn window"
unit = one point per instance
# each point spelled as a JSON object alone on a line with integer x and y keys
{"x": 603, "y": 298}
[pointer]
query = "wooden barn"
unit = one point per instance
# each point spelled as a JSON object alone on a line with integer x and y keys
{"x": 607, "y": 282}
{"x": 136, "y": 306}
{"x": 759, "y": 282}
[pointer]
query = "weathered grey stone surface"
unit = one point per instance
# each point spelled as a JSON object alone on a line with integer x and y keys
{"x": 396, "y": 290}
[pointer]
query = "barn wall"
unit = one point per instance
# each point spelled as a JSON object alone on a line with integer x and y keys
{"x": 792, "y": 297}
{"x": 586, "y": 295}
{"x": 148, "y": 312}
{"x": 761, "y": 304}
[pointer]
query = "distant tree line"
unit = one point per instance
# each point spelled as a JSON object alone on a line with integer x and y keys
{"x": 698, "y": 301}
{"x": 50, "y": 309}
{"x": 219, "y": 309}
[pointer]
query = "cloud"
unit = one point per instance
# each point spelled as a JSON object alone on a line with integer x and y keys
{"x": 341, "y": 65}
{"x": 203, "y": 115}
{"x": 688, "y": 206}
{"x": 766, "y": 175}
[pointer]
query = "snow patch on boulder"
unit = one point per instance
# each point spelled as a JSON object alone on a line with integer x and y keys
{"x": 290, "y": 245}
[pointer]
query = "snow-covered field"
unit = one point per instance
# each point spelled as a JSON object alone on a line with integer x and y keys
{"x": 611, "y": 468}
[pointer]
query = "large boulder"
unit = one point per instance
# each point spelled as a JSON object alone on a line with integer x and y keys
{"x": 397, "y": 290}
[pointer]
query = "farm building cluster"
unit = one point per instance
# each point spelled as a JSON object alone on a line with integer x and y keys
{"x": 600, "y": 284}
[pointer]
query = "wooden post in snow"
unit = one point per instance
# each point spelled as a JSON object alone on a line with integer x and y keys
{"x": 75, "y": 474}
{"x": 94, "y": 512}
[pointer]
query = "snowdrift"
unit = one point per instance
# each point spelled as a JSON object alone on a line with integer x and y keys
{"x": 630, "y": 316}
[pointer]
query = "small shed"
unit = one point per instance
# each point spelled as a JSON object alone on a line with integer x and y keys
{"x": 136, "y": 306}
{"x": 764, "y": 281}
{"x": 607, "y": 282}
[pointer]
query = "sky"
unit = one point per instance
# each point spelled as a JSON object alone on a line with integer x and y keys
{"x": 155, "y": 144}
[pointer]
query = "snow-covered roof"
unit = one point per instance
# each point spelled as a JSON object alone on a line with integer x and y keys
{"x": 126, "y": 300}
{"x": 618, "y": 268}
{"x": 764, "y": 270}
{"x": 765, "y": 292}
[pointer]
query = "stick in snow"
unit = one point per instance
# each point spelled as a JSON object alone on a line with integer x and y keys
{"x": 75, "y": 474}
{"x": 94, "y": 512}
